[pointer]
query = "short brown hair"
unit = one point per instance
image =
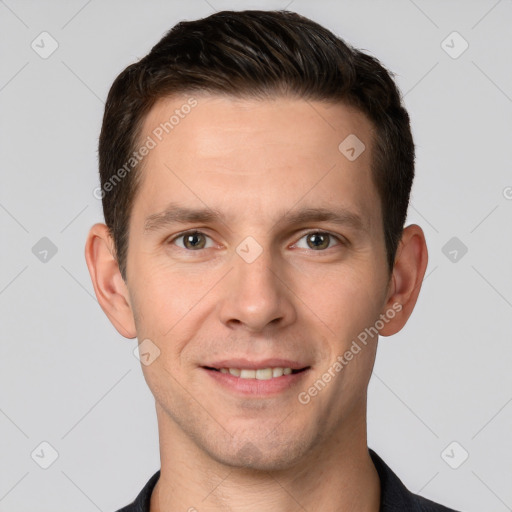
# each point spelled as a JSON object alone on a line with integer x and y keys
{"x": 256, "y": 54}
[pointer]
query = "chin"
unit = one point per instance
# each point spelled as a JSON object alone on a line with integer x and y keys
{"x": 260, "y": 456}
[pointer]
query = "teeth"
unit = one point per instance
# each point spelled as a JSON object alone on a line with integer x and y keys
{"x": 259, "y": 374}
{"x": 264, "y": 373}
{"x": 277, "y": 372}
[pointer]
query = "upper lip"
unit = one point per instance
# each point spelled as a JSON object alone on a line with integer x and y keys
{"x": 255, "y": 365}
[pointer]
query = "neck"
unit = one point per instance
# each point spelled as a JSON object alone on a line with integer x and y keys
{"x": 338, "y": 477}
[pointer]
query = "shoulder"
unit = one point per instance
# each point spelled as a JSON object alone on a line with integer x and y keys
{"x": 395, "y": 497}
{"x": 143, "y": 499}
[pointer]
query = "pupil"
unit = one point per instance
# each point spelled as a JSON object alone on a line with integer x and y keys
{"x": 193, "y": 240}
{"x": 316, "y": 237}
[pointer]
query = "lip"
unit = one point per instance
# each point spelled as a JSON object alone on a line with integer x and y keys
{"x": 255, "y": 365}
{"x": 255, "y": 387}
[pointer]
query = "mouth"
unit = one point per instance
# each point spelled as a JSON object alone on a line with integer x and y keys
{"x": 271, "y": 372}
{"x": 258, "y": 382}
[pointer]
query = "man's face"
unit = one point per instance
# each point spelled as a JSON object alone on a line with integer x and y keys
{"x": 260, "y": 282}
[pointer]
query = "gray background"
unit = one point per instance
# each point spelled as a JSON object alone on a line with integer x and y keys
{"x": 69, "y": 379}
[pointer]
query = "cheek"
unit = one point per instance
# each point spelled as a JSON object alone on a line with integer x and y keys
{"x": 170, "y": 304}
{"x": 158, "y": 305}
{"x": 346, "y": 301}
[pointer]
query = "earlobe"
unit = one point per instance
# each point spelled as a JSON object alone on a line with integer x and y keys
{"x": 109, "y": 286}
{"x": 408, "y": 273}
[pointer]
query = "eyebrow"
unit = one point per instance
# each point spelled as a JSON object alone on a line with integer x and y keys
{"x": 176, "y": 214}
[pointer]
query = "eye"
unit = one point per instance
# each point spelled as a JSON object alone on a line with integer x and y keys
{"x": 318, "y": 240}
{"x": 192, "y": 240}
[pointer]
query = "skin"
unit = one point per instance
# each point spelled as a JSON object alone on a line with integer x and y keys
{"x": 255, "y": 161}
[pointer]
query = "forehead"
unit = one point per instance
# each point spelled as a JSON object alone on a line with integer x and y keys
{"x": 202, "y": 121}
{"x": 255, "y": 155}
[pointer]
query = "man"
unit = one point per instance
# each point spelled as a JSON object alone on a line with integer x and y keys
{"x": 255, "y": 177}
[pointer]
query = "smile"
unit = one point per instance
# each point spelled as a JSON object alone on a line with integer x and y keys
{"x": 256, "y": 382}
{"x": 259, "y": 374}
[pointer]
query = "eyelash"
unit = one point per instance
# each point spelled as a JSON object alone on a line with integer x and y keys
{"x": 315, "y": 232}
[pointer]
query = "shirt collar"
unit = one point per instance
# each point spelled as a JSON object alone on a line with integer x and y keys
{"x": 394, "y": 496}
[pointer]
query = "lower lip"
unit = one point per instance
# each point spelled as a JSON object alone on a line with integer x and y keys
{"x": 255, "y": 387}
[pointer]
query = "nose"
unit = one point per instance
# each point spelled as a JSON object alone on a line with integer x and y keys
{"x": 256, "y": 295}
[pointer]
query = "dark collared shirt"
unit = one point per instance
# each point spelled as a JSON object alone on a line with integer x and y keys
{"x": 394, "y": 495}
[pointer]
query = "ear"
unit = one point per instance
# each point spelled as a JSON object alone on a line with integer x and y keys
{"x": 109, "y": 286}
{"x": 406, "y": 280}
